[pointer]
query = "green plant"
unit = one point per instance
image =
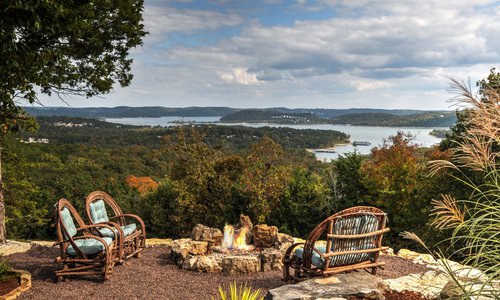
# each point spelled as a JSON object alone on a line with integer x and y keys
{"x": 475, "y": 221}
{"x": 5, "y": 272}
{"x": 243, "y": 292}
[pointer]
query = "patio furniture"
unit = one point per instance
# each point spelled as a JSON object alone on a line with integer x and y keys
{"x": 132, "y": 232}
{"x": 352, "y": 239}
{"x": 83, "y": 250}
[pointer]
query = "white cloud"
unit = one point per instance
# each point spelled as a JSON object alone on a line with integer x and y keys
{"x": 161, "y": 21}
{"x": 370, "y": 53}
{"x": 239, "y": 76}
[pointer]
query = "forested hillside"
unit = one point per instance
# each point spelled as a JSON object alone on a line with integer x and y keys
{"x": 177, "y": 177}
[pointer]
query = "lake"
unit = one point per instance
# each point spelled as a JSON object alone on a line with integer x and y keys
{"x": 373, "y": 134}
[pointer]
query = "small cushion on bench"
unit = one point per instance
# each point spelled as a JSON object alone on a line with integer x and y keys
{"x": 89, "y": 246}
{"x": 316, "y": 259}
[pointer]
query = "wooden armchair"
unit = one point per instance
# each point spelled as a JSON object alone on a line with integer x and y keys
{"x": 131, "y": 231}
{"x": 353, "y": 241}
{"x": 83, "y": 250}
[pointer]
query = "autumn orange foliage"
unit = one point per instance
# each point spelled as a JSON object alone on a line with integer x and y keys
{"x": 143, "y": 185}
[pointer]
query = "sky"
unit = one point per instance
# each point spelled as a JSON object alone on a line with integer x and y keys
{"x": 307, "y": 54}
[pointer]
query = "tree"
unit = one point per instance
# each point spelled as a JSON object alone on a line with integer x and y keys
{"x": 77, "y": 47}
{"x": 392, "y": 177}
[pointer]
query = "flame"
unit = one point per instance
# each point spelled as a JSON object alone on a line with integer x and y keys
{"x": 234, "y": 240}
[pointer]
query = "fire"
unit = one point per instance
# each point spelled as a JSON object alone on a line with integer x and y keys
{"x": 235, "y": 239}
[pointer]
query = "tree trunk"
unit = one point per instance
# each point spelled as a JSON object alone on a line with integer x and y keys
{"x": 2, "y": 204}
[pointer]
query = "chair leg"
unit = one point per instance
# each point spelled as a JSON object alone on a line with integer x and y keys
{"x": 374, "y": 271}
{"x": 286, "y": 272}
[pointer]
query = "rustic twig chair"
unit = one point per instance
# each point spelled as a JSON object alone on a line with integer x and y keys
{"x": 353, "y": 241}
{"x": 83, "y": 250}
{"x": 132, "y": 232}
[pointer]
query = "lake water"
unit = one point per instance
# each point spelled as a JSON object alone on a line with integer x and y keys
{"x": 373, "y": 134}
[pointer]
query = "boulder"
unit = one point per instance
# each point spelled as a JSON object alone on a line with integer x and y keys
{"x": 429, "y": 284}
{"x": 240, "y": 264}
{"x": 271, "y": 259}
{"x": 265, "y": 236}
{"x": 284, "y": 241}
{"x": 204, "y": 264}
{"x": 204, "y": 233}
{"x": 418, "y": 258}
{"x": 182, "y": 248}
{"x": 246, "y": 222}
{"x": 340, "y": 286}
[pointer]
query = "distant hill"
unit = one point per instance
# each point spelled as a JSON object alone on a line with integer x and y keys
{"x": 128, "y": 112}
{"x": 422, "y": 119}
{"x": 272, "y": 116}
{"x": 329, "y": 113}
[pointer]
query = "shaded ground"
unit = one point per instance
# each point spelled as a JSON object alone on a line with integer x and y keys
{"x": 152, "y": 277}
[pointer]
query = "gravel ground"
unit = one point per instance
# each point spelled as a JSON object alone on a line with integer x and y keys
{"x": 152, "y": 277}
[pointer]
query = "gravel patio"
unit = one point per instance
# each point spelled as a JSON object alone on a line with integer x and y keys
{"x": 152, "y": 276}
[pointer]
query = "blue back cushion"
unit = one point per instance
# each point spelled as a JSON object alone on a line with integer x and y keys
{"x": 354, "y": 225}
{"x": 346, "y": 226}
{"x": 67, "y": 220}
{"x": 98, "y": 212}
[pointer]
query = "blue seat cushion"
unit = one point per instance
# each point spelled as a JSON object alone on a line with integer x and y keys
{"x": 127, "y": 230}
{"x": 88, "y": 246}
{"x": 316, "y": 259}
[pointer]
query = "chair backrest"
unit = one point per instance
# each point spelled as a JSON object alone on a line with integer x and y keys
{"x": 357, "y": 222}
{"x": 96, "y": 207}
{"x": 66, "y": 215}
{"x": 67, "y": 225}
{"x": 98, "y": 212}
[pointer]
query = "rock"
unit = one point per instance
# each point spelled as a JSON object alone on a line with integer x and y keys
{"x": 418, "y": 258}
{"x": 265, "y": 236}
{"x": 450, "y": 291}
{"x": 340, "y": 286}
{"x": 246, "y": 222}
{"x": 205, "y": 264}
{"x": 284, "y": 241}
{"x": 240, "y": 264}
{"x": 204, "y": 233}
{"x": 181, "y": 248}
{"x": 271, "y": 259}
{"x": 388, "y": 251}
{"x": 429, "y": 283}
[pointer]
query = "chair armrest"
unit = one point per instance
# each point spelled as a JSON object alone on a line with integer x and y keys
{"x": 133, "y": 216}
{"x": 108, "y": 225}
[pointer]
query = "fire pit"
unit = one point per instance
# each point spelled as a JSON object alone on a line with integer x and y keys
{"x": 242, "y": 248}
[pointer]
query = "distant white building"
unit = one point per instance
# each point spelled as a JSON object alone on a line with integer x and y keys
{"x": 32, "y": 140}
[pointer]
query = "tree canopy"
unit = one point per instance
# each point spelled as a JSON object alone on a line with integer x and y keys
{"x": 64, "y": 46}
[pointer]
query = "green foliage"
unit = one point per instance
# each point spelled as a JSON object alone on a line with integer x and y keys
{"x": 440, "y": 133}
{"x": 346, "y": 174}
{"x": 77, "y": 47}
{"x": 392, "y": 178}
{"x": 5, "y": 273}
{"x": 303, "y": 205}
{"x": 241, "y": 293}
